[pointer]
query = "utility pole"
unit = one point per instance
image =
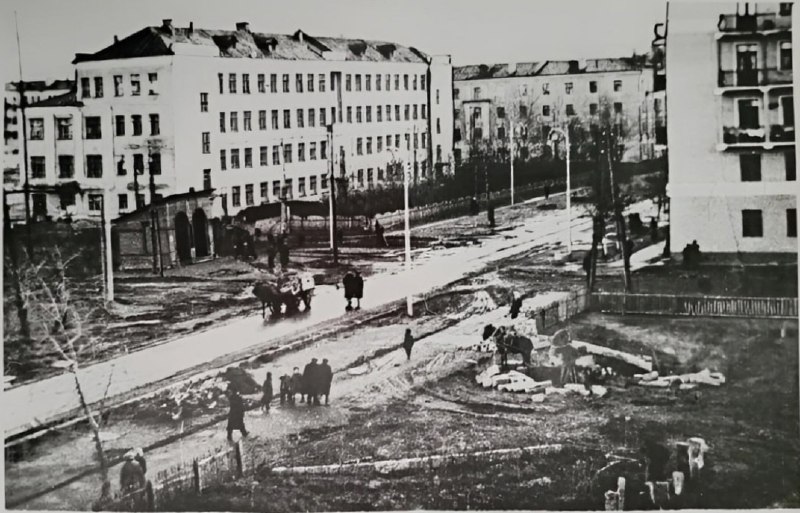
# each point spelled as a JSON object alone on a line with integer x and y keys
{"x": 620, "y": 220}
{"x": 332, "y": 196}
{"x": 409, "y": 299}
{"x": 511, "y": 156}
{"x": 24, "y": 123}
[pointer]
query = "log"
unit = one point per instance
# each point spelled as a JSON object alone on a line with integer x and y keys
{"x": 642, "y": 362}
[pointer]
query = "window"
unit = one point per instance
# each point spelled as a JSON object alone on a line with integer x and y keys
{"x": 236, "y": 196}
{"x": 262, "y": 120}
{"x": 388, "y": 82}
{"x": 155, "y": 164}
{"x": 206, "y": 142}
{"x": 98, "y": 87}
{"x": 301, "y": 152}
{"x": 785, "y": 9}
{"x": 360, "y": 177}
{"x": 221, "y": 81}
{"x": 570, "y": 109}
{"x": 298, "y": 82}
{"x": 415, "y": 111}
{"x": 273, "y": 83}
{"x": 276, "y": 188}
{"x": 379, "y": 113}
{"x": 206, "y": 179}
{"x": 791, "y": 222}
{"x": 121, "y": 171}
{"x": 617, "y": 108}
{"x": 66, "y": 166}
{"x": 501, "y": 112}
{"x": 617, "y": 86}
{"x": 358, "y": 115}
{"x": 285, "y": 83}
{"x": 397, "y": 140}
{"x": 234, "y": 121}
{"x": 274, "y": 116}
{"x": 235, "y": 162}
{"x": 422, "y": 82}
{"x": 287, "y": 188}
{"x": 545, "y": 110}
{"x": 276, "y": 155}
{"x": 37, "y": 129}
{"x": 136, "y": 86}
{"x": 248, "y": 157}
{"x": 64, "y": 128}
{"x": 222, "y": 122}
{"x": 301, "y": 186}
{"x": 378, "y": 144}
{"x": 592, "y": 109}
{"x": 247, "y": 121}
{"x": 264, "y": 189}
{"x": 787, "y": 110}
{"x": 287, "y": 154}
{"x": 752, "y": 224}
{"x": 369, "y": 145}
{"x": 791, "y": 166}
{"x": 438, "y": 126}
{"x": 248, "y": 194}
{"x": 407, "y": 112}
{"x": 750, "y": 167}
{"x": 262, "y": 84}
{"x": 93, "y": 130}
{"x": 94, "y": 166}
{"x": 263, "y": 153}
{"x": 408, "y": 141}
{"x": 312, "y": 184}
{"x": 223, "y": 162}
{"x": 138, "y": 164}
{"x": 369, "y": 114}
{"x": 321, "y": 82}
{"x": 546, "y": 88}
{"x": 232, "y": 83}
{"x": 370, "y": 171}
{"x": 568, "y": 87}
{"x": 424, "y": 110}
{"x": 748, "y": 110}
{"x": 203, "y": 102}
{"x": 397, "y": 82}
{"x": 348, "y": 82}
{"x": 358, "y": 82}
{"x": 359, "y": 146}
{"x": 380, "y": 175}
{"x": 38, "y": 169}
{"x": 523, "y": 111}
{"x": 152, "y": 78}
{"x": 311, "y": 118}
{"x": 476, "y": 93}
{"x": 95, "y": 202}
{"x": 455, "y": 95}
{"x": 312, "y": 151}
{"x": 388, "y": 113}
{"x": 300, "y": 120}
{"x": 245, "y": 83}
{"x": 287, "y": 122}
{"x": 322, "y": 118}
{"x": 118, "y": 88}
{"x": 438, "y": 153}
{"x": 501, "y": 132}
{"x": 123, "y": 201}
{"x": 349, "y": 114}
{"x": 592, "y": 86}
{"x": 388, "y": 141}
{"x": 457, "y": 135}
{"x": 323, "y": 149}
{"x": 405, "y": 82}
{"x": 323, "y": 181}
{"x": 86, "y": 87}
{"x": 155, "y": 126}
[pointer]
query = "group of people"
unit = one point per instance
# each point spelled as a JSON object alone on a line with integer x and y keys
{"x": 315, "y": 381}
{"x": 280, "y": 248}
{"x": 353, "y": 284}
{"x": 691, "y": 254}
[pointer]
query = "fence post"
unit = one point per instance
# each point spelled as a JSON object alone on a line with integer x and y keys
{"x": 237, "y": 453}
{"x": 196, "y": 477}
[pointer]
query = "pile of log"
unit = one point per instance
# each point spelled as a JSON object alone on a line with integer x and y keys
{"x": 683, "y": 381}
{"x": 512, "y": 381}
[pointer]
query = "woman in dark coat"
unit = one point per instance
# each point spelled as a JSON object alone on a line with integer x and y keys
{"x": 348, "y": 284}
{"x": 235, "y": 414}
{"x": 408, "y": 343}
{"x": 266, "y": 388}
{"x": 358, "y": 289}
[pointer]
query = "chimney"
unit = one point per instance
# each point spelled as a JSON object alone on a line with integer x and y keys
{"x": 191, "y": 27}
{"x": 243, "y": 26}
{"x": 167, "y": 25}
{"x": 116, "y": 39}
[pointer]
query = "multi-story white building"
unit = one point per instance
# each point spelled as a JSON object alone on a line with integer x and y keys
{"x": 170, "y": 109}
{"x": 539, "y": 96}
{"x": 732, "y": 169}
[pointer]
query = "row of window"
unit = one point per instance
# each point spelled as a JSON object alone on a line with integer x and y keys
{"x": 753, "y": 223}
{"x": 93, "y": 129}
{"x": 750, "y": 166}
{"x": 547, "y": 111}
{"x": 264, "y": 153}
{"x": 310, "y": 82}
{"x": 134, "y": 85}
{"x": 136, "y": 125}
{"x": 419, "y": 141}
{"x": 279, "y": 189}
{"x": 94, "y": 166}
{"x": 523, "y": 89}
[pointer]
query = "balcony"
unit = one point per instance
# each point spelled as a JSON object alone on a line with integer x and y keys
{"x": 761, "y": 77}
{"x": 753, "y": 23}
{"x": 781, "y": 133}
{"x": 736, "y": 135}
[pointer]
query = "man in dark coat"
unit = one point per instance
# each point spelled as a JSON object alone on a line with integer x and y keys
{"x": 326, "y": 378}
{"x": 408, "y": 343}
{"x": 358, "y": 289}
{"x": 266, "y": 390}
{"x": 285, "y": 389}
{"x": 379, "y": 231}
{"x": 235, "y": 414}
{"x": 272, "y": 250}
{"x": 311, "y": 382}
{"x": 349, "y": 286}
{"x": 131, "y": 476}
{"x": 473, "y": 206}
{"x": 547, "y": 191}
{"x": 296, "y": 386}
{"x": 516, "y": 305}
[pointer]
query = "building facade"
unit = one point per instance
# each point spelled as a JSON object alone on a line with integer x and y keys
{"x": 258, "y": 117}
{"x": 732, "y": 169}
{"x": 537, "y": 97}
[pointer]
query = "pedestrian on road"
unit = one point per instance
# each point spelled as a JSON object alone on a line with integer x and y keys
{"x": 348, "y": 282}
{"x": 379, "y": 235}
{"x": 235, "y": 414}
{"x": 547, "y": 191}
{"x": 311, "y": 382}
{"x": 131, "y": 476}
{"x": 408, "y": 343}
{"x": 272, "y": 250}
{"x": 358, "y": 288}
{"x": 297, "y": 386}
{"x": 285, "y": 389}
{"x": 516, "y": 304}
{"x": 266, "y": 390}
{"x": 326, "y": 378}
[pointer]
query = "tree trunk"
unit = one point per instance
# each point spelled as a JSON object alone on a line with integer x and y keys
{"x": 623, "y": 237}
{"x": 22, "y": 311}
{"x": 98, "y": 444}
{"x": 597, "y": 236}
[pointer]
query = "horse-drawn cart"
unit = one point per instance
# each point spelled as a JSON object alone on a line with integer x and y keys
{"x": 289, "y": 290}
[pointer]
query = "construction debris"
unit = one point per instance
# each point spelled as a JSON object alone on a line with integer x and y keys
{"x": 642, "y": 362}
{"x": 686, "y": 381}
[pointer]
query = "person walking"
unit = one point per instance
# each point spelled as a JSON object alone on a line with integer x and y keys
{"x": 296, "y": 386}
{"x": 349, "y": 285}
{"x": 326, "y": 378}
{"x": 266, "y": 390}
{"x": 272, "y": 251}
{"x": 131, "y": 475}
{"x": 547, "y": 191}
{"x": 379, "y": 235}
{"x": 516, "y": 304}
{"x": 358, "y": 288}
{"x": 310, "y": 382}
{"x": 285, "y": 389}
{"x": 408, "y": 343}
{"x": 235, "y": 414}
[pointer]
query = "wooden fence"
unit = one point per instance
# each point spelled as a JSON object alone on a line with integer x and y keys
{"x": 216, "y": 468}
{"x": 696, "y": 306}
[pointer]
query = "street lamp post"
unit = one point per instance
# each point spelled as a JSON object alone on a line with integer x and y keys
{"x": 565, "y": 134}
{"x": 407, "y": 230}
{"x": 511, "y": 157}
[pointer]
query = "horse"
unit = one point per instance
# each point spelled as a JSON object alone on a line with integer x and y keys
{"x": 269, "y": 295}
{"x": 509, "y": 342}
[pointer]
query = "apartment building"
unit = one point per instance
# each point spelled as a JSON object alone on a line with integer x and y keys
{"x": 257, "y": 117}
{"x": 535, "y": 97}
{"x": 732, "y": 168}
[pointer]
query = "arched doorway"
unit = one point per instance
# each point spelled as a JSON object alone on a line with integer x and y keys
{"x": 183, "y": 237}
{"x": 200, "y": 226}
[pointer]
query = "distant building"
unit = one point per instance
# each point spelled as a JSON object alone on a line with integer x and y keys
{"x": 539, "y": 96}
{"x": 731, "y": 132}
{"x": 167, "y": 109}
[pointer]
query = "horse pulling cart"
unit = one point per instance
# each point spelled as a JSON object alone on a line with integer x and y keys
{"x": 288, "y": 290}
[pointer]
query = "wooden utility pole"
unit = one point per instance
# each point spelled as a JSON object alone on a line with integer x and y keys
{"x": 332, "y": 185}
{"x": 23, "y": 123}
{"x": 618, "y": 215}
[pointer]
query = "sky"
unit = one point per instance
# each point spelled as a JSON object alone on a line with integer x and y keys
{"x": 472, "y": 32}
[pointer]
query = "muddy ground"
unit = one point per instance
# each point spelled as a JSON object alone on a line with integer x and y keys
{"x": 750, "y": 423}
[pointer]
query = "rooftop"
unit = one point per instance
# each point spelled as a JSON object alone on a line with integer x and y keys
{"x": 242, "y": 43}
{"x": 41, "y": 85}
{"x": 548, "y": 68}
{"x": 69, "y": 99}
{"x": 163, "y": 201}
